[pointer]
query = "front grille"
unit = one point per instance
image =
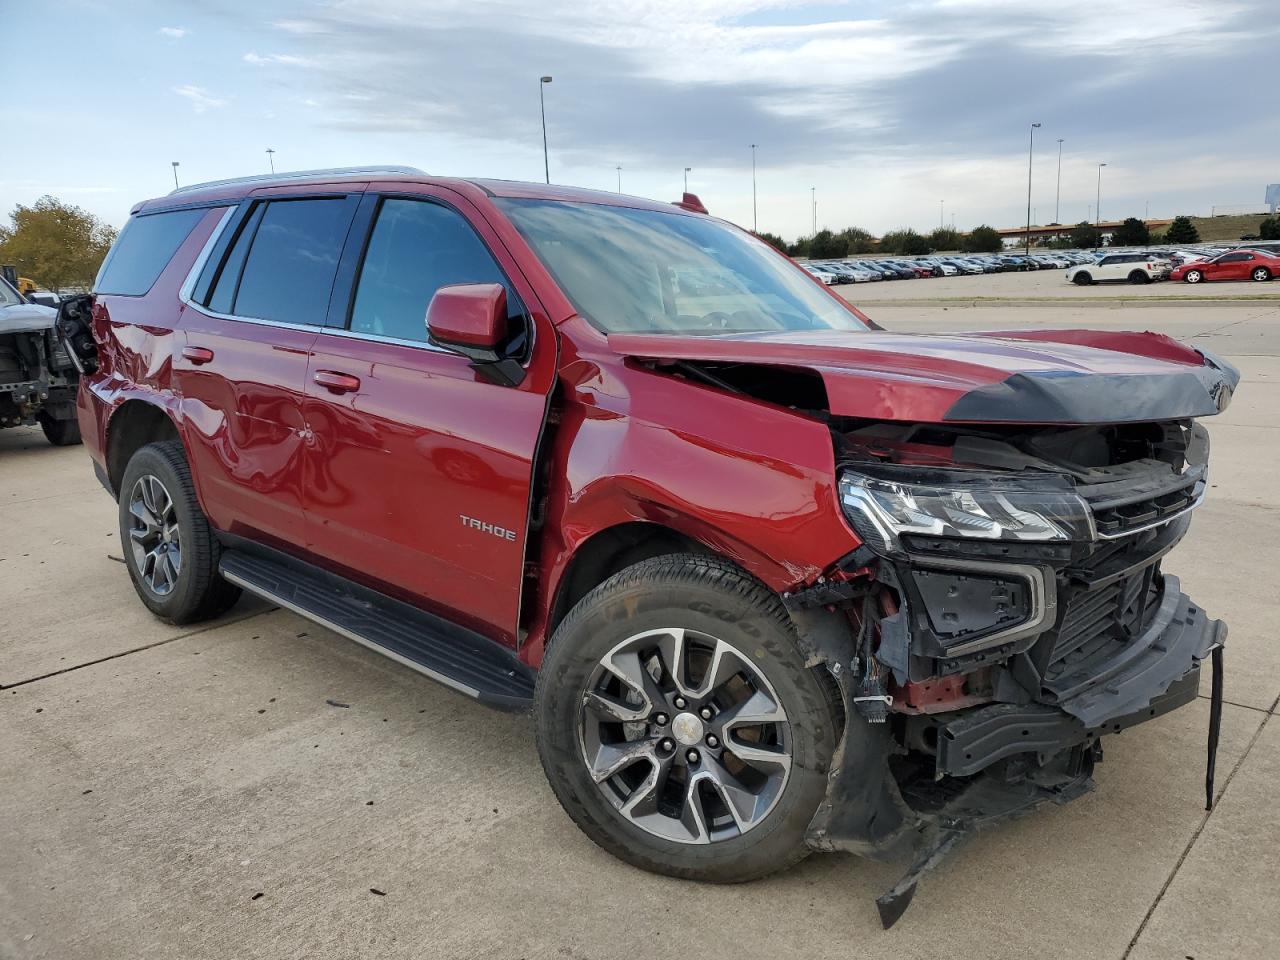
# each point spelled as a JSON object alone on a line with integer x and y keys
{"x": 1097, "y": 623}
{"x": 1114, "y": 520}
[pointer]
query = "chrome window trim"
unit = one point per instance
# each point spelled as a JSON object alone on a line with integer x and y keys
{"x": 197, "y": 267}
{"x": 1044, "y": 599}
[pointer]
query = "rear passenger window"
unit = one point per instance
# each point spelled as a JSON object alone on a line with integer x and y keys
{"x": 416, "y": 248}
{"x": 142, "y": 251}
{"x": 291, "y": 259}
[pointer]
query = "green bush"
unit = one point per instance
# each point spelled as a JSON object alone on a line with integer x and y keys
{"x": 1182, "y": 230}
{"x": 983, "y": 239}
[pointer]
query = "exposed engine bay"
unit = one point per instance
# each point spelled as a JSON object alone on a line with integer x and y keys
{"x": 38, "y": 374}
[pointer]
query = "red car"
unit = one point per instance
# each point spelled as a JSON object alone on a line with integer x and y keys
{"x": 1233, "y": 265}
{"x": 770, "y": 579}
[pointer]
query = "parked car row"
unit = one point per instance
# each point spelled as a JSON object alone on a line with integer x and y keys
{"x": 852, "y": 270}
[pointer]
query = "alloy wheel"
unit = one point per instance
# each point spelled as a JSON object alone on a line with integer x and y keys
{"x": 154, "y": 536}
{"x": 684, "y": 736}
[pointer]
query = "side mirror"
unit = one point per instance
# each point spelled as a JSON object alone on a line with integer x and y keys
{"x": 471, "y": 319}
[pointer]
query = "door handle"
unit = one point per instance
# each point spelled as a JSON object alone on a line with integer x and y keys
{"x": 336, "y": 382}
{"x": 197, "y": 355}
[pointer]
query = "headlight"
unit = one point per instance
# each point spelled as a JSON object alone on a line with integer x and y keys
{"x": 976, "y": 506}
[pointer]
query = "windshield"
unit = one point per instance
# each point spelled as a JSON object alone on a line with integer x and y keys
{"x": 644, "y": 271}
{"x": 9, "y": 297}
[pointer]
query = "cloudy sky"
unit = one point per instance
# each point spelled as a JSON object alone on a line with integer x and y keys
{"x": 888, "y": 109}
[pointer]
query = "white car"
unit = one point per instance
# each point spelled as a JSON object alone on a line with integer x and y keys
{"x": 1131, "y": 267}
{"x": 830, "y": 279}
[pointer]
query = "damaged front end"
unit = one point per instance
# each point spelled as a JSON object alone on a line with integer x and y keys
{"x": 1006, "y": 611}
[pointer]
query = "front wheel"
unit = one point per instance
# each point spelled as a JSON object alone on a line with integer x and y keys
{"x": 169, "y": 548}
{"x": 1261, "y": 274}
{"x": 1082, "y": 279}
{"x": 1193, "y": 276}
{"x": 679, "y": 726}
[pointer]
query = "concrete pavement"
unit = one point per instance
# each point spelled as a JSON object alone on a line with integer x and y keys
{"x": 179, "y": 792}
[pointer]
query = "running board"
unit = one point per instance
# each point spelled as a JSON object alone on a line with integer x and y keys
{"x": 459, "y": 658}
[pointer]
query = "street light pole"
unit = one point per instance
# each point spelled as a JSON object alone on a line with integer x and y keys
{"x": 755, "y": 226}
{"x": 1030, "y": 149}
{"x": 813, "y": 203}
{"x": 686, "y": 178}
{"x": 1057, "y": 196}
{"x": 1097, "y": 206}
{"x": 619, "y": 178}
{"x": 942, "y": 214}
{"x": 542, "y": 102}
{"x": 175, "y": 173}
{"x": 271, "y": 159}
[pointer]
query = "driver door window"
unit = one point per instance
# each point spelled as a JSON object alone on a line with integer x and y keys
{"x": 417, "y": 247}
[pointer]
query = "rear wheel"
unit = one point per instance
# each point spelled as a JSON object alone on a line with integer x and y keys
{"x": 1139, "y": 276}
{"x": 169, "y": 547}
{"x": 679, "y": 725}
{"x": 1082, "y": 279}
{"x": 1193, "y": 276}
{"x": 61, "y": 433}
{"x": 1261, "y": 274}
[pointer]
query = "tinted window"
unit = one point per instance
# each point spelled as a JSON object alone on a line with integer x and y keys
{"x": 142, "y": 251}
{"x": 288, "y": 274}
{"x": 1234, "y": 257}
{"x": 416, "y": 248}
{"x": 224, "y": 291}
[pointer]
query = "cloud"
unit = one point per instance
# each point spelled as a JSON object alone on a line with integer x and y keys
{"x": 199, "y": 97}
{"x": 174, "y": 33}
{"x": 281, "y": 59}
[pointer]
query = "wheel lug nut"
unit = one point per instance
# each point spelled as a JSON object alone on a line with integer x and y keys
{"x": 713, "y": 741}
{"x": 667, "y": 745}
{"x": 692, "y": 756}
{"x": 706, "y": 713}
{"x": 679, "y": 702}
{"x": 660, "y": 719}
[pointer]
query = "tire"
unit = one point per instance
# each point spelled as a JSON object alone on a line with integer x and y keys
{"x": 1261, "y": 274}
{"x": 60, "y": 433}
{"x": 180, "y": 582}
{"x": 1082, "y": 279}
{"x": 706, "y": 597}
{"x": 1193, "y": 276}
{"x": 1139, "y": 276}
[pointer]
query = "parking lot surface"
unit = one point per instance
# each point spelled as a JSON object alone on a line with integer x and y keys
{"x": 259, "y": 787}
{"x": 1051, "y": 285}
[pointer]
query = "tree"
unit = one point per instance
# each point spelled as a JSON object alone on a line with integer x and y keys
{"x": 983, "y": 239}
{"x": 824, "y": 245}
{"x": 55, "y": 244}
{"x": 1132, "y": 233}
{"x": 773, "y": 240}
{"x": 1085, "y": 234}
{"x": 1182, "y": 230}
{"x": 945, "y": 238}
{"x": 1269, "y": 229}
{"x": 906, "y": 241}
{"x": 800, "y": 248}
{"x": 859, "y": 240}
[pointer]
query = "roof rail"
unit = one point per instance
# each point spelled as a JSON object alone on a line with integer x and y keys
{"x": 301, "y": 175}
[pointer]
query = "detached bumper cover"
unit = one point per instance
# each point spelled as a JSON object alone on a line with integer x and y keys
{"x": 1158, "y": 672}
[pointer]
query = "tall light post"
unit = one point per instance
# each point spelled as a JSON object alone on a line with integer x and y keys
{"x": 542, "y": 103}
{"x": 1097, "y": 206}
{"x": 1030, "y": 149}
{"x": 813, "y": 204}
{"x": 271, "y": 159}
{"x": 619, "y": 178}
{"x": 687, "y": 171}
{"x": 1057, "y": 195}
{"x": 942, "y": 214}
{"x": 755, "y": 226}
{"x": 175, "y": 173}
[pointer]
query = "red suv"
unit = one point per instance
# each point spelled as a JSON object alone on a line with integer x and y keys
{"x": 770, "y": 578}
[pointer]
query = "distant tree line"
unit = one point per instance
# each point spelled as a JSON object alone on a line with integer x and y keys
{"x": 852, "y": 241}
{"x": 55, "y": 244}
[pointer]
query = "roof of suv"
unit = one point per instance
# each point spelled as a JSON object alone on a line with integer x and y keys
{"x": 216, "y": 191}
